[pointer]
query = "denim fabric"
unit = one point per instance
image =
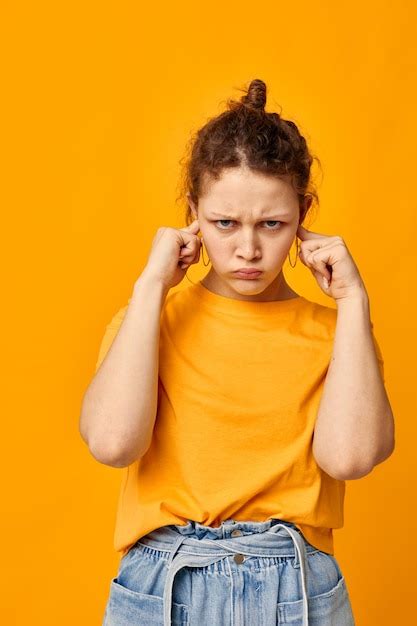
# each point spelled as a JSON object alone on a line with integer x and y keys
{"x": 237, "y": 574}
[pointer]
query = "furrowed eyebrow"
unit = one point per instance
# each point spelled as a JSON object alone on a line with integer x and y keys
{"x": 229, "y": 217}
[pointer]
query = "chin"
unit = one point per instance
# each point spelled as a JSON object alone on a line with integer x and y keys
{"x": 242, "y": 285}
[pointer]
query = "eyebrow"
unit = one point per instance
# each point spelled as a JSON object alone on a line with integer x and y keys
{"x": 266, "y": 217}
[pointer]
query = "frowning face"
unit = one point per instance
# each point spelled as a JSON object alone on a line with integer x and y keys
{"x": 247, "y": 220}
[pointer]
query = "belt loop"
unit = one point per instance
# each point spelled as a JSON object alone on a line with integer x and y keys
{"x": 296, "y": 561}
{"x": 176, "y": 545}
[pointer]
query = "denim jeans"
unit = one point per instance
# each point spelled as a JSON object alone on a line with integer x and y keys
{"x": 237, "y": 574}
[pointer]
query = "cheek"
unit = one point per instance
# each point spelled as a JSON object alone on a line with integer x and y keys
{"x": 216, "y": 247}
{"x": 286, "y": 242}
{"x": 278, "y": 248}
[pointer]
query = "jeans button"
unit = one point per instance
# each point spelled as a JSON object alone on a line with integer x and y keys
{"x": 239, "y": 558}
{"x": 236, "y": 533}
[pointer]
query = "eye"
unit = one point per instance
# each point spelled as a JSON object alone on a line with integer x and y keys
{"x": 218, "y": 221}
{"x": 266, "y": 222}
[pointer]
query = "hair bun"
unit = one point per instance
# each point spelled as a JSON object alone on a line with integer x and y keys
{"x": 256, "y": 95}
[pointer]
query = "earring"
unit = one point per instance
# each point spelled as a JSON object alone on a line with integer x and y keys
{"x": 296, "y": 254}
{"x": 202, "y": 253}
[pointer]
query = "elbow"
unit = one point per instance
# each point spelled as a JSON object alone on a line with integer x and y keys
{"x": 385, "y": 452}
{"x": 351, "y": 468}
{"x": 114, "y": 449}
{"x": 109, "y": 451}
{"x": 354, "y": 471}
{"x": 347, "y": 471}
{"x": 108, "y": 455}
{"x": 348, "y": 474}
{"x": 103, "y": 453}
{"x": 114, "y": 455}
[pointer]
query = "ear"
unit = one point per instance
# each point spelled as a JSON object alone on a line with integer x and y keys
{"x": 192, "y": 205}
{"x": 305, "y": 207}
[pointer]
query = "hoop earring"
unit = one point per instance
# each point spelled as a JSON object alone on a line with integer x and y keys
{"x": 296, "y": 254}
{"x": 204, "y": 263}
{"x": 202, "y": 253}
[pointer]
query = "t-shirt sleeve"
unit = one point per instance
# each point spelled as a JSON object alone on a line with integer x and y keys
{"x": 110, "y": 333}
{"x": 378, "y": 354}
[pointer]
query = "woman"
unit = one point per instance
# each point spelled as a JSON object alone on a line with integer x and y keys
{"x": 235, "y": 404}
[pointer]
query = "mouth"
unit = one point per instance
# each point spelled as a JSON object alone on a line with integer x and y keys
{"x": 247, "y": 274}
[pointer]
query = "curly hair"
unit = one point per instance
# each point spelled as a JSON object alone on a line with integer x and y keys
{"x": 245, "y": 135}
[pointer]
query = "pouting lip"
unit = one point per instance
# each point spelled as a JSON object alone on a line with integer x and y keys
{"x": 245, "y": 270}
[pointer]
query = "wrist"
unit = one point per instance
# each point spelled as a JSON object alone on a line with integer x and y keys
{"x": 147, "y": 281}
{"x": 355, "y": 302}
{"x": 359, "y": 294}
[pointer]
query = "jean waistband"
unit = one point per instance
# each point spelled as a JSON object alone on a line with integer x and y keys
{"x": 196, "y": 545}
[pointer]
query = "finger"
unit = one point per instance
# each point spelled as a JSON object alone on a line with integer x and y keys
{"x": 320, "y": 265}
{"x": 307, "y": 247}
{"x": 321, "y": 243}
{"x": 191, "y": 246}
{"x": 191, "y": 228}
{"x": 190, "y": 241}
{"x": 324, "y": 282}
{"x": 194, "y": 258}
{"x": 309, "y": 235}
{"x": 189, "y": 249}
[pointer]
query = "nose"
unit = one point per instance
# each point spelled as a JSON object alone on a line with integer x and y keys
{"x": 248, "y": 248}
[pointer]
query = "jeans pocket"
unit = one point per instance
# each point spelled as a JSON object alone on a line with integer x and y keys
{"x": 328, "y": 597}
{"x": 131, "y": 608}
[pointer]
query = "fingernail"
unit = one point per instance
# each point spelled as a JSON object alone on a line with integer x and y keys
{"x": 325, "y": 282}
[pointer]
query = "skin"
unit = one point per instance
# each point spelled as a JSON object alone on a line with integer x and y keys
{"x": 255, "y": 225}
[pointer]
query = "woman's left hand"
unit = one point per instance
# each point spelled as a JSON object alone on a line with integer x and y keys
{"x": 329, "y": 258}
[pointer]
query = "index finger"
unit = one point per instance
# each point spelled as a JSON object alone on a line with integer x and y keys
{"x": 194, "y": 226}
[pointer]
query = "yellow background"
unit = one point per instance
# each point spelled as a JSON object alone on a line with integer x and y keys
{"x": 99, "y": 100}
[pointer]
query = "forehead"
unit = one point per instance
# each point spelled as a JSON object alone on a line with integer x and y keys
{"x": 241, "y": 191}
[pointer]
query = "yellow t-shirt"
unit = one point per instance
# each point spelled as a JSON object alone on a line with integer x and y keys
{"x": 238, "y": 393}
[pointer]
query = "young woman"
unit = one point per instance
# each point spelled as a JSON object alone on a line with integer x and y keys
{"x": 238, "y": 407}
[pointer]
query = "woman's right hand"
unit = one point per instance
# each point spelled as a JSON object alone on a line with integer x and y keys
{"x": 173, "y": 251}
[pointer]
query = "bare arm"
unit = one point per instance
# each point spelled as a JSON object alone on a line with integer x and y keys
{"x": 120, "y": 404}
{"x": 355, "y": 426}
